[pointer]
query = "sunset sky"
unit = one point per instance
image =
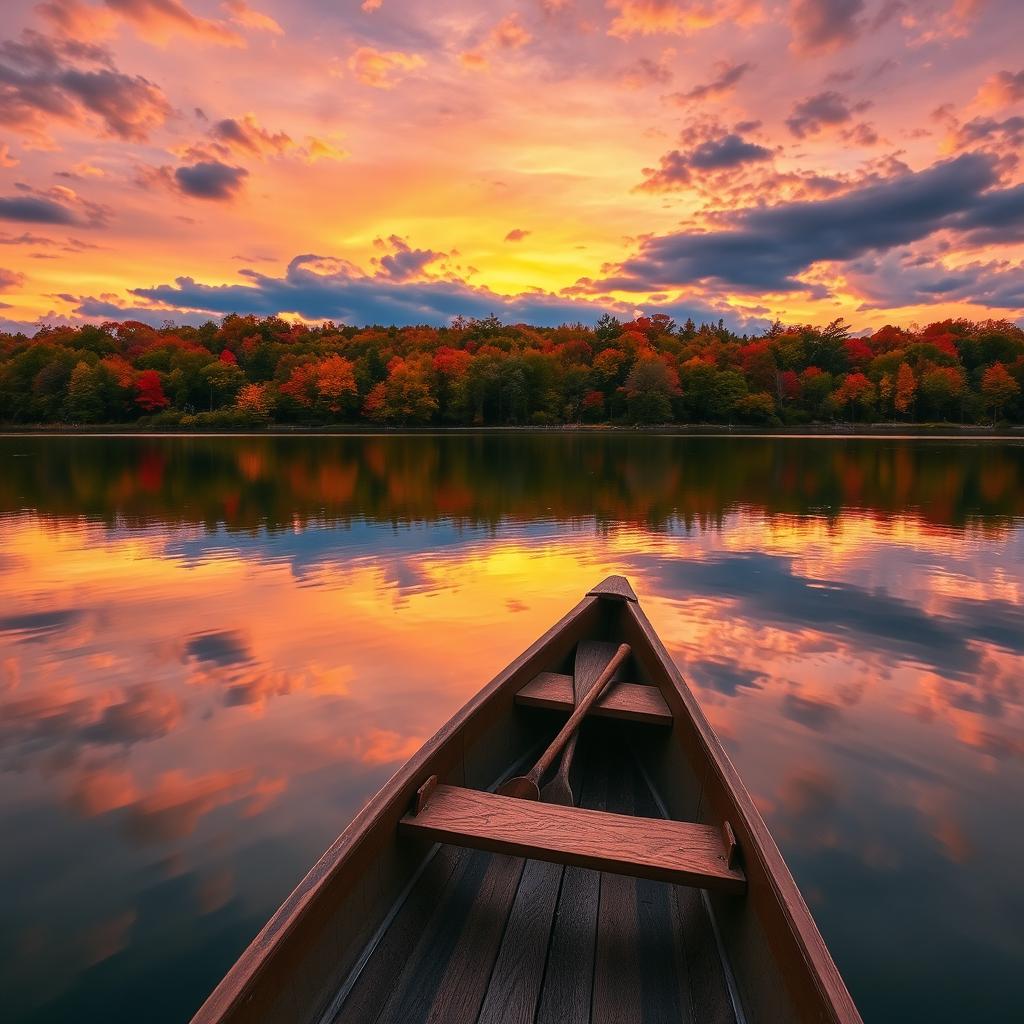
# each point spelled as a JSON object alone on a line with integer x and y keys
{"x": 545, "y": 160}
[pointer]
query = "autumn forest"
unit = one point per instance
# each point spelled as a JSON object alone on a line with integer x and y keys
{"x": 249, "y": 371}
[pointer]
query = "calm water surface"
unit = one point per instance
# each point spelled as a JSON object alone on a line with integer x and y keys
{"x": 213, "y": 650}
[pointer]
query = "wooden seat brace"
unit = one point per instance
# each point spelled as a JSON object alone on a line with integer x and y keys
{"x": 621, "y": 700}
{"x": 669, "y": 851}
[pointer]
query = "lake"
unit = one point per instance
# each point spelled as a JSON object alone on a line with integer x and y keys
{"x": 213, "y": 650}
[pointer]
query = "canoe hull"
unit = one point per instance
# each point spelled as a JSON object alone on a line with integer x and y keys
{"x": 780, "y": 967}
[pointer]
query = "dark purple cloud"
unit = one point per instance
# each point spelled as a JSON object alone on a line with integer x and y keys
{"x": 729, "y": 151}
{"x": 516, "y": 235}
{"x": 902, "y": 278}
{"x": 406, "y": 262}
{"x": 41, "y": 79}
{"x": 723, "y": 152}
{"x": 210, "y": 179}
{"x": 324, "y": 288}
{"x": 823, "y": 110}
{"x": 996, "y": 217}
{"x": 820, "y": 25}
{"x": 249, "y": 135}
{"x": 35, "y": 210}
{"x": 725, "y": 81}
{"x": 764, "y": 249}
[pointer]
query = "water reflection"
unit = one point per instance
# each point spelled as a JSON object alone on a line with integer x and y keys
{"x": 213, "y": 650}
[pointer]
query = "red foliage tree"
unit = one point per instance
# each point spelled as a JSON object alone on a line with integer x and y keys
{"x": 149, "y": 392}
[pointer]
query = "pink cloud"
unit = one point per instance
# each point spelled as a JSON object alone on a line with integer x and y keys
{"x": 381, "y": 69}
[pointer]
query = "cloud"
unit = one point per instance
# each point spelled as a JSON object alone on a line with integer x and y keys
{"x": 210, "y": 179}
{"x": 6, "y": 160}
{"x": 35, "y": 210}
{"x": 249, "y": 135}
{"x": 28, "y": 238}
{"x": 725, "y": 152}
{"x": 822, "y": 25}
{"x": 158, "y": 20}
{"x": 813, "y": 114}
{"x": 127, "y": 107}
{"x": 677, "y": 17}
{"x": 726, "y": 79}
{"x": 902, "y": 278}
{"x": 399, "y": 292}
{"x": 1002, "y": 89}
{"x": 382, "y": 68}
{"x": 645, "y": 71}
{"x": 76, "y": 20}
{"x": 763, "y": 249}
{"x": 516, "y": 235}
{"x": 508, "y": 34}
{"x": 10, "y": 279}
{"x": 405, "y": 262}
{"x": 43, "y": 80}
{"x": 320, "y": 288}
{"x": 242, "y": 14}
{"x": 999, "y": 136}
{"x": 155, "y": 20}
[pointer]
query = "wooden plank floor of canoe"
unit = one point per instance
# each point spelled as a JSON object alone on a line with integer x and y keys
{"x": 486, "y": 937}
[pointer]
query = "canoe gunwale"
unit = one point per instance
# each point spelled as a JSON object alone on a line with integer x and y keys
{"x": 391, "y": 800}
{"x": 792, "y": 954}
{"x": 760, "y": 856}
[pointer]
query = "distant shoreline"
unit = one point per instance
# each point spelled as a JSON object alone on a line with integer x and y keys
{"x": 936, "y": 431}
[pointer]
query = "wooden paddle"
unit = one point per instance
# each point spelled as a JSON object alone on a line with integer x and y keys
{"x": 591, "y": 658}
{"x": 526, "y": 787}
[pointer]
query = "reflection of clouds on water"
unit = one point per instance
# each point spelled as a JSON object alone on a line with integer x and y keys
{"x": 764, "y": 589}
{"x": 204, "y": 708}
{"x": 221, "y": 647}
{"x": 727, "y": 677}
{"x": 29, "y": 627}
{"x": 812, "y": 712}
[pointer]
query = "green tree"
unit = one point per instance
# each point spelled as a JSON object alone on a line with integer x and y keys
{"x": 223, "y": 379}
{"x": 85, "y": 394}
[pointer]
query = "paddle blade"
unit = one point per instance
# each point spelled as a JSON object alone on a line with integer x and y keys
{"x": 521, "y": 788}
{"x": 558, "y": 791}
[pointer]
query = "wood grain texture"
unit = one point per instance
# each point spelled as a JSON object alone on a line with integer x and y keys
{"x": 567, "y": 994}
{"x": 618, "y": 996}
{"x": 621, "y": 700}
{"x": 615, "y": 588}
{"x": 670, "y": 851}
{"x": 588, "y": 666}
{"x": 515, "y": 984}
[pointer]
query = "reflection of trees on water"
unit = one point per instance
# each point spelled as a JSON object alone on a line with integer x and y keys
{"x": 267, "y": 482}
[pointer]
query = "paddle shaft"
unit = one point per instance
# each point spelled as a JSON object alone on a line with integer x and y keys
{"x": 545, "y": 760}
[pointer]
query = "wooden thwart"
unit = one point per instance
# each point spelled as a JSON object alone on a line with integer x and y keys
{"x": 621, "y": 700}
{"x": 669, "y": 851}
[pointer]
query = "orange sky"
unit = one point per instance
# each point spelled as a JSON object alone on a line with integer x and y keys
{"x": 544, "y": 160}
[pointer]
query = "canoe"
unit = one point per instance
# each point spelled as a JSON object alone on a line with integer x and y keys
{"x": 657, "y": 896}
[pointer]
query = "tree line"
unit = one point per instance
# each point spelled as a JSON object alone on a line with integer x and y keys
{"x": 249, "y": 370}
